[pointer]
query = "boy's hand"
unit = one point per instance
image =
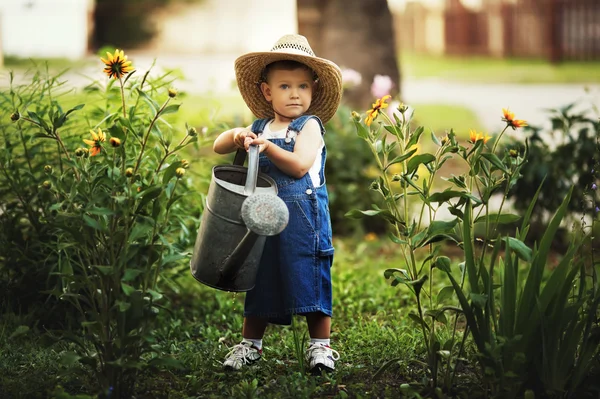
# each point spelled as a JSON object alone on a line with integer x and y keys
{"x": 241, "y": 136}
{"x": 262, "y": 143}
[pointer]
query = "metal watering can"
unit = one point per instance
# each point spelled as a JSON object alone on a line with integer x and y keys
{"x": 242, "y": 209}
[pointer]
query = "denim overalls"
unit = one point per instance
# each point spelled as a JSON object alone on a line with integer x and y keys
{"x": 294, "y": 274}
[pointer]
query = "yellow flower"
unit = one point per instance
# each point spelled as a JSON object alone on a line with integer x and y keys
{"x": 115, "y": 142}
{"x": 179, "y": 172}
{"x": 509, "y": 118}
{"x": 369, "y": 237}
{"x": 378, "y": 105}
{"x": 116, "y": 65}
{"x": 96, "y": 142}
{"x": 474, "y": 136}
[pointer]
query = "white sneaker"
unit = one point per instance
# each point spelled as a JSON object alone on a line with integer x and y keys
{"x": 321, "y": 357}
{"x": 240, "y": 355}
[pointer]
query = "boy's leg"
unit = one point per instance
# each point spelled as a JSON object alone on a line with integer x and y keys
{"x": 250, "y": 349}
{"x": 254, "y": 327}
{"x": 319, "y": 355}
{"x": 319, "y": 325}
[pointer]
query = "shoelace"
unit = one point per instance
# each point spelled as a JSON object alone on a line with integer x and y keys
{"x": 315, "y": 350}
{"x": 239, "y": 352}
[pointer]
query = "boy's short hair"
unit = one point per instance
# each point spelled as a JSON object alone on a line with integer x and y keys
{"x": 286, "y": 65}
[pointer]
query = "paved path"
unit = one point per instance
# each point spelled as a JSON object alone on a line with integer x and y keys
{"x": 215, "y": 74}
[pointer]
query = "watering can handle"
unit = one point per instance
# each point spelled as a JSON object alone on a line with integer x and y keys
{"x": 252, "y": 175}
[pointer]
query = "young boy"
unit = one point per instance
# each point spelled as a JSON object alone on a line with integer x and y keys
{"x": 293, "y": 93}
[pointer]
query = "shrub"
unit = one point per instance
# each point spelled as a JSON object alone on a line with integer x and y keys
{"x": 98, "y": 224}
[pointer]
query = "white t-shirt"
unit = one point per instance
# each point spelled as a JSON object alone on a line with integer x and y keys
{"x": 314, "y": 170}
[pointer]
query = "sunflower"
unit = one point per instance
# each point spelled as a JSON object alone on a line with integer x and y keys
{"x": 378, "y": 105}
{"x": 474, "y": 137}
{"x": 96, "y": 142}
{"x": 116, "y": 65}
{"x": 509, "y": 118}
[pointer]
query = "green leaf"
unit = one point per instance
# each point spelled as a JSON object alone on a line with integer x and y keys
{"x": 504, "y": 218}
{"x": 153, "y": 104}
{"x": 494, "y": 160}
{"x": 170, "y": 171}
{"x": 414, "y": 137}
{"x": 19, "y": 331}
{"x": 520, "y": 248}
{"x": 449, "y": 194}
{"x": 69, "y": 358}
{"x": 170, "y": 109}
{"x": 148, "y": 195}
{"x": 361, "y": 130}
{"x": 443, "y": 263}
{"x": 106, "y": 270}
{"x": 168, "y": 362}
{"x": 127, "y": 289}
{"x": 417, "y": 160}
{"x": 445, "y": 293}
{"x": 479, "y": 300}
{"x": 434, "y": 138}
{"x": 131, "y": 274}
{"x": 418, "y": 321}
{"x": 93, "y": 223}
{"x": 400, "y": 158}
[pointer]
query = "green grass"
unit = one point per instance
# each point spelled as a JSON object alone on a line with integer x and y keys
{"x": 11, "y": 62}
{"x": 474, "y": 69}
{"x": 370, "y": 326}
{"x": 442, "y": 117}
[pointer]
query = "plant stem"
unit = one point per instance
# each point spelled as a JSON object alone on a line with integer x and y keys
{"x": 498, "y": 139}
{"x": 139, "y": 160}
{"x": 123, "y": 98}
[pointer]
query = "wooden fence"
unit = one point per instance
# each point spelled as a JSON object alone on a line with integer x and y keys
{"x": 556, "y": 30}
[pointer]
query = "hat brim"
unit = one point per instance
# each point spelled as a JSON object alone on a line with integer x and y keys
{"x": 326, "y": 97}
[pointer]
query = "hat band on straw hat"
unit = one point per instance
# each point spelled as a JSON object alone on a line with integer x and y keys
{"x": 293, "y": 48}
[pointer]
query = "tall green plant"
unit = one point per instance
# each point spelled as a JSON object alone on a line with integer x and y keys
{"x": 115, "y": 213}
{"x": 505, "y": 340}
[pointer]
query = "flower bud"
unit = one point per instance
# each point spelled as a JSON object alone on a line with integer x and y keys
{"x": 15, "y": 116}
{"x": 115, "y": 142}
{"x": 402, "y": 108}
{"x": 445, "y": 140}
{"x": 513, "y": 153}
{"x": 48, "y": 169}
{"x": 192, "y": 132}
{"x": 129, "y": 172}
{"x": 80, "y": 152}
{"x": 47, "y": 185}
{"x": 374, "y": 185}
{"x": 396, "y": 177}
{"x": 172, "y": 93}
{"x": 179, "y": 172}
{"x": 355, "y": 116}
{"x": 185, "y": 163}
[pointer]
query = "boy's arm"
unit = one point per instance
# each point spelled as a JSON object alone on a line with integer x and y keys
{"x": 297, "y": 163}
{"x": 231, "y": 140}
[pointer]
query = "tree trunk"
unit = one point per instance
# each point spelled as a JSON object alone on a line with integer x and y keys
{"x": 355, "y": 34}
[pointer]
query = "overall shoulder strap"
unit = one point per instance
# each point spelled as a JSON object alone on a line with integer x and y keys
{"x": 259, "y": 125}
{"x": 298, "y": 123}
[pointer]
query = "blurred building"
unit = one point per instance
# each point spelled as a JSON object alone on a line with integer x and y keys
{"x": 45, "y": 28}
{"x": 552, "y": 29}
{"x": 223, "y": 26}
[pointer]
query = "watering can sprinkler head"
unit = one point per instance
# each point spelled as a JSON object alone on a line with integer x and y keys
{"x": 265, "y": 214}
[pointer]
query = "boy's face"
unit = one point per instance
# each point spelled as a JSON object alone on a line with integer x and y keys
{"x": 290, "y": 92}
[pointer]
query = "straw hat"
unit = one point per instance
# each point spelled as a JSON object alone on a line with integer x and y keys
{"x": 326, "y": 96}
